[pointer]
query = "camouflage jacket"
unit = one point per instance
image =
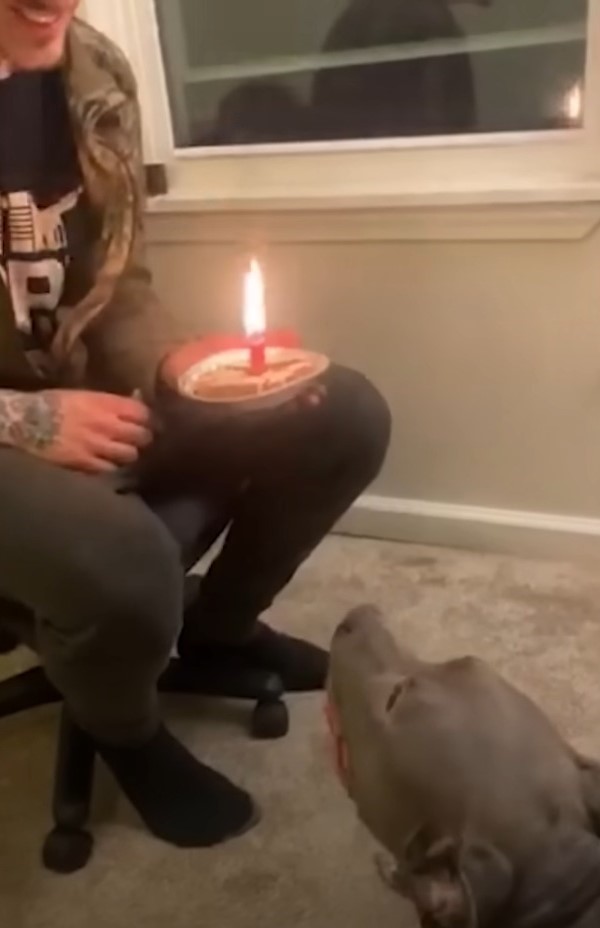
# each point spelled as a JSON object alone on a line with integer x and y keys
{"x": 114, "y": 336}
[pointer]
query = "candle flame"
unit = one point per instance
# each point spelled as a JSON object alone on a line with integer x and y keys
{"x": 574, "y": 103}
{"x": 254, "y": 301}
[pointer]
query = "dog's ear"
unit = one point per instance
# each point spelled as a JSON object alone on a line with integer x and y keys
{"x": 456, "y": 883}
{"x": 560, "y": 886}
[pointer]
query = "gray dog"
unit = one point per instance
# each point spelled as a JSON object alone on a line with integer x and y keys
{"x": 491, "y": 818}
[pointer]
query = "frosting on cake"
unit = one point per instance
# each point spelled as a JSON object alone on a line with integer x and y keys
{"x": 227, "y": 377}
{"x": 234, "y": 381}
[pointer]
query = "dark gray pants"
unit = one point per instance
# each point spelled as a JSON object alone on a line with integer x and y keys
{"x": 103, "y": 576}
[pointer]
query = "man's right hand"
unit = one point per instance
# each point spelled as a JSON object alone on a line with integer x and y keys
{"x": 82, "y": 430}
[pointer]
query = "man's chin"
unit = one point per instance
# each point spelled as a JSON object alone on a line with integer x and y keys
{"x": 38, "y": 59}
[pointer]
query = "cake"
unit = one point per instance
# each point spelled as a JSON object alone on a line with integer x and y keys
{"x": 228, "y": 378}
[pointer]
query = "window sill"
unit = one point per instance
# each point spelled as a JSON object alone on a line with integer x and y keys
{"x": 555, "y": 212}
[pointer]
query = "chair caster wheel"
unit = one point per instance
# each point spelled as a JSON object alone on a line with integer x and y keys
{"x": 270, "y": 720}
{"x": 66, "y": 851}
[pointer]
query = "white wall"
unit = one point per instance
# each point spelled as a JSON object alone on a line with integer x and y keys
{"x": 487, "y": 348}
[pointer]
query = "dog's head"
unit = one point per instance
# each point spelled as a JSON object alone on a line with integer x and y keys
{"x": 437, "y": 757}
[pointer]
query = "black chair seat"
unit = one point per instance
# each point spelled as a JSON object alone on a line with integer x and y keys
{"x": 197, "y": 525}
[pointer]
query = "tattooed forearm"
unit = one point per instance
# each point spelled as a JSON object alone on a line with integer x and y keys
{"x": 30, "y": 421}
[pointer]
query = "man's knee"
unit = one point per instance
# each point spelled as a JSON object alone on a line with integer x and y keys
{"x": 360, "y": 419}
{"x": 123, "y": 591}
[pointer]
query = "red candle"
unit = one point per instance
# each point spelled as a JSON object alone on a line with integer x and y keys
{"x": 257, "y": 354}
{"x": 255, "y": 317}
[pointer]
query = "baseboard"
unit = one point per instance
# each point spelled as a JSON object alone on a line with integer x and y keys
{"x": 507, "y": 531}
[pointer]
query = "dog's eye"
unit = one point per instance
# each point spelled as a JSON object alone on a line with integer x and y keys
{"x": 399, "y": 690}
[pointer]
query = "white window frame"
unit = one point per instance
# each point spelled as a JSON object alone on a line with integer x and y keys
{"x": 522, "y": 167}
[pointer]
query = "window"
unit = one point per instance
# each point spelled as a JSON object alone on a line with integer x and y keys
{"x": 337, "y": 102}
{"x": 280, "y": 71}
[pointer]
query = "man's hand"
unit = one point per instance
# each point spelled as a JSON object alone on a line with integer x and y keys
{"x": 86, "y": 431}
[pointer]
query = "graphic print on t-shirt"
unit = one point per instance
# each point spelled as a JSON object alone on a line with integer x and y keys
{"x": 44, "y": 214}
{"x": 34, "y": 257}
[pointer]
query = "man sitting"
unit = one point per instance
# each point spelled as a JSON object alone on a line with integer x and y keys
{"x": 80, "y": 332}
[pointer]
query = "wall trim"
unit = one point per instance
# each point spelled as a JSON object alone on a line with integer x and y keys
{"x": 173, "y": 223}
{"x": 479, "y": 528}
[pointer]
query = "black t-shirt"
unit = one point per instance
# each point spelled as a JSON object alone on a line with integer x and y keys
{"x": 43, "y": 214}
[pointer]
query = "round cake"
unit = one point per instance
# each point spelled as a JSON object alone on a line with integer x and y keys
{"x": 226, "y": 377}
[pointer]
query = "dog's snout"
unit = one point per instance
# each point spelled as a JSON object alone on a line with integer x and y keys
{"x": 347, "y": 626}
{"x": 357, "y": 618}
{"x": 363, "y": 644}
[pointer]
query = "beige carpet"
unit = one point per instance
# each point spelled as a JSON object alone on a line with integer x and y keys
{"x": 308, "y": 863}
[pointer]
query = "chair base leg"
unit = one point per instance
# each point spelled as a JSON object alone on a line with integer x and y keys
{"x": 65, "y": 852}
{"x": 28, "y": 690}
{"x": 270, "y": 719}
{"x": 68, "y": 847}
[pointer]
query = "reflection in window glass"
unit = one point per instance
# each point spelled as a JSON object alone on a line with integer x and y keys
{"x": 322, "y": 70}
